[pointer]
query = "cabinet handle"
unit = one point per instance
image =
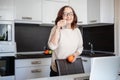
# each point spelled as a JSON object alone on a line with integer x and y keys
{"x": 36, "y": 70}
{"x": 80, "y": 22}
{"x": 53, "y": 21}
{"x": 84, "y": 60}
{"x": 27, "y": 18}
{"x": 92, "y": 21}
{"x": 36, "y": 62}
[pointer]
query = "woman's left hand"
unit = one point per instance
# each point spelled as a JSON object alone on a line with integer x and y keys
{"x": 75, "y": 56}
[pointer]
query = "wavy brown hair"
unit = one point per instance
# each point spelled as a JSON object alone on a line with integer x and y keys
{"x": 60, "y": 16}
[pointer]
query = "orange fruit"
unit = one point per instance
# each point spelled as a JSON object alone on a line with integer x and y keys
{"x": 46, "y": 52}
{"x": 70, "y": 58}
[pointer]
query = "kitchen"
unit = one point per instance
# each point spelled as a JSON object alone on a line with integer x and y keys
{"x": 24, "y": 16}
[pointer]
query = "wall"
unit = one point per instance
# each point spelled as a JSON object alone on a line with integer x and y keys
{"x": 117, "y": 27}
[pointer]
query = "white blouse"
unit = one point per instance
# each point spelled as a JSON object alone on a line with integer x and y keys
{"x": 69, "y": 42}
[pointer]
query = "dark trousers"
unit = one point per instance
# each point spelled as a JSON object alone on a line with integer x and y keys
{"x": 53, "y": 73}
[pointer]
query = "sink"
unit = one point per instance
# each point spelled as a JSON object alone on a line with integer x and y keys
{"x": 96, "y": 54}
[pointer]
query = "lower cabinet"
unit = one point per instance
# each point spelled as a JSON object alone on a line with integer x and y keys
{"x": 32, "y": 68}
{"x": 118, "y": 78}
{"x": 86, "y": 64}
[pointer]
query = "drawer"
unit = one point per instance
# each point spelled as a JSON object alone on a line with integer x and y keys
{"x": 32, "y": 62}
{"x": 32, "y": 72}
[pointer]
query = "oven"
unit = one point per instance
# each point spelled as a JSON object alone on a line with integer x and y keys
{"x": 7, "y": 65}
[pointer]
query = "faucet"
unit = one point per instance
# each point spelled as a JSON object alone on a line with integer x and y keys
{"x": 91, "y": 47}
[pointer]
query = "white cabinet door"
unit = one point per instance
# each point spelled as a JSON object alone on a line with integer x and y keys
{"x": 80, "y": 7}
{"x": 6, "y": 9}
{"x": 28, "y": 10}
{"x": 25, "y": 73}
{"x": 87, "y": 64}
{"x": 107, "y": 11}
{"x": 32, "y": 62}
{"x": 7, "y": 78}
{"x": 32, "y": 68}
{"x": 93, "y": 11}
{"x": 88, "y": 11}
{"x": 50, "y": 9}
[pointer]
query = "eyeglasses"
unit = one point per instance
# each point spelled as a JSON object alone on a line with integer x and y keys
{"x": 68, "y": 14}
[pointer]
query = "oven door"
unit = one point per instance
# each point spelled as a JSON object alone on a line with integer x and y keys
{"x": 7, "y": 66}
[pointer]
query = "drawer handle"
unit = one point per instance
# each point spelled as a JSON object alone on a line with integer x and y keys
{"x": 84, "y": 60}
{"x": 27, "y": 18}
{"x": 36, "y": 70}
{"x": 80, "y": 22}
{"x": 93, "y": 21}
{"x": 53, "y": 21}
{"x": 36, "y": 62}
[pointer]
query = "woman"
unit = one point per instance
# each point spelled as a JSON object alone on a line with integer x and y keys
{"x": 65, "y": 37}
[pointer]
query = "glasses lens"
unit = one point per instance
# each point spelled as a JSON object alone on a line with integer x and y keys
{"x": 68, "y": 14}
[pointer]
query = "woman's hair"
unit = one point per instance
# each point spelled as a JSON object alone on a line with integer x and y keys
{"x": 60, "y": 16}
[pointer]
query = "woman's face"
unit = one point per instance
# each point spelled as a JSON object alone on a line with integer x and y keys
{"x": 68, "y": 15}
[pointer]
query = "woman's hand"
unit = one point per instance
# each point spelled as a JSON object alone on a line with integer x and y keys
{"x": 72, "y": 58}
{"x": 75, "y": 56}
{"x": 61, "y": 24}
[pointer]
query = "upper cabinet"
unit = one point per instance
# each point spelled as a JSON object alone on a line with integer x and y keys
{"x": 6, "y": 9}
{"x": 93, "y": 11}
{"x": 28, "y": 11}
{"x": 80, "y": 7}
{"x": 45, "y": 11}
{"x": 107, "y": 11}
{"x": 88, "y": 11}
{"x": 50, "y": 9}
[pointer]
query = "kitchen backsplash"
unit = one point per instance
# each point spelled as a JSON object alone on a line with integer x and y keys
{"x": 34, "y": 37}
{"x": 31, "y": 37}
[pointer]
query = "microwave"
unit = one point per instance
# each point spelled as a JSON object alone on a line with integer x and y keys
{"x": 7, "y": 42}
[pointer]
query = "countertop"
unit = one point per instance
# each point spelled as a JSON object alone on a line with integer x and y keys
{"x": 66, "y": 77}
{"x": 88, "y": 53}
{"x": 30, "y": 55}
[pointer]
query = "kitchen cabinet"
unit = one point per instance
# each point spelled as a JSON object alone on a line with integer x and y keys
{"x": 32, "y": 68}
{"x": 118, "y": 77}
{"x": 6, "y": 9}
{"x": 50, "y": 9}
{"x": 88, "y": 11}
{"x": 107, "y": 11}
{"x": 80, "y": 7}
{"x": 86, "y": 64}
{"x": 87, "y": 56}
{"x": 28, "y": 11}
{"x": 7, "y": 78}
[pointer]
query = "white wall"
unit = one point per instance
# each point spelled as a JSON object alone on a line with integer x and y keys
{"x": 117, "y": 27}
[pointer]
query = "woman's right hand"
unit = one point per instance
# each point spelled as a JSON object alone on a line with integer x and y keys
{"x": 61, "y": 24}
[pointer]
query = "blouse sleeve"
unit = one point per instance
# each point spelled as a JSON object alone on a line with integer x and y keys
{"x": 50, "y": 44}
{"x": 80, "y": 44}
